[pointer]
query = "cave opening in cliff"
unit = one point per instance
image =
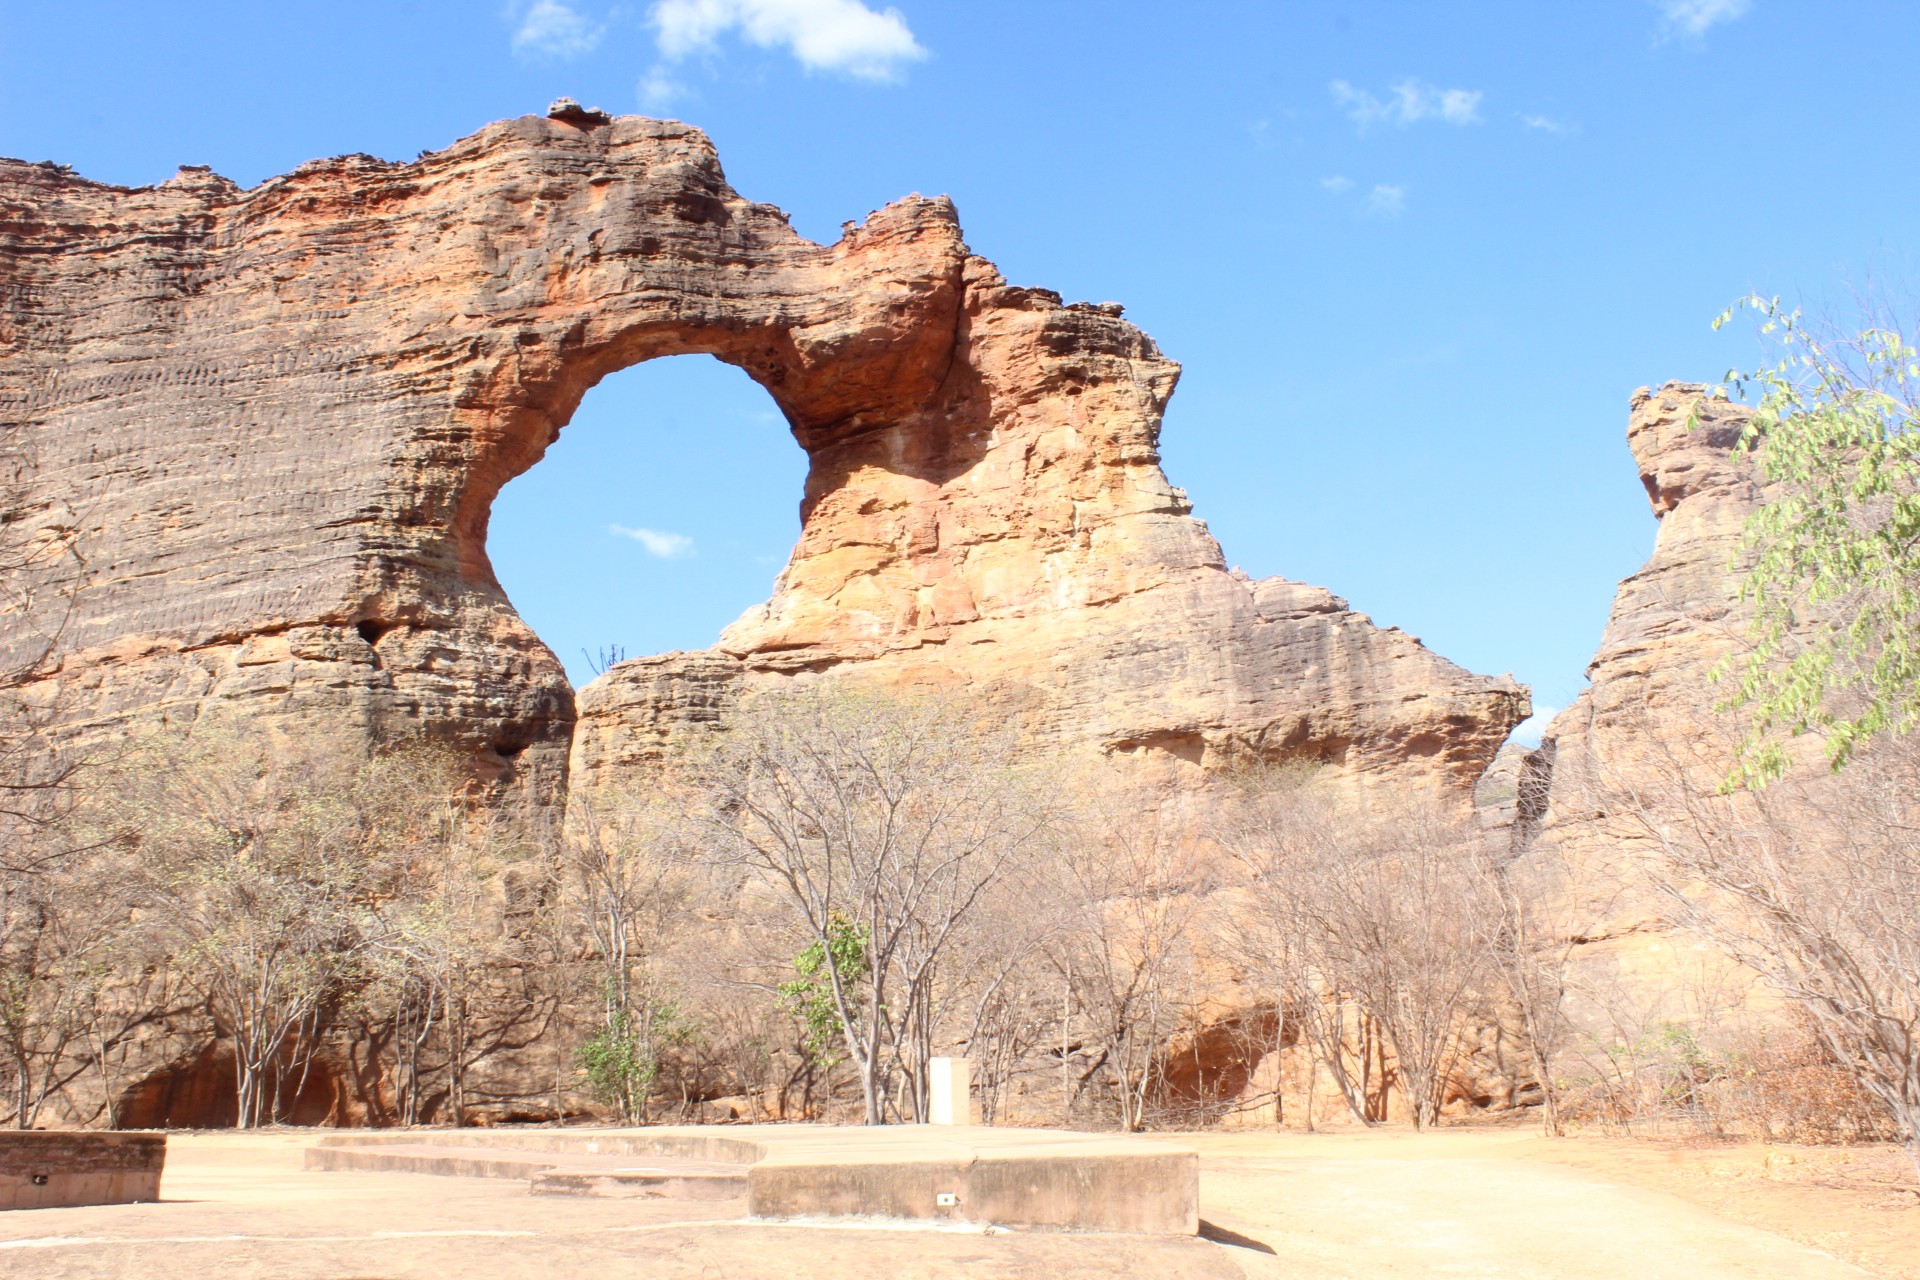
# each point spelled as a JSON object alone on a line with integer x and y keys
{"x": 665, "y": 510}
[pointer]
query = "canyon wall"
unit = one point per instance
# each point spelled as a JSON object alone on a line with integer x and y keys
{"x": 271, "y": 424}
{"x": 1651, "y": 691}
{"x": 1673, "y": 620}
{"x": 1646, "y": 729}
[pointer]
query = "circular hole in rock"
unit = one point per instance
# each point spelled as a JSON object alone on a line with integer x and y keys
{"x": 665, "y": 510}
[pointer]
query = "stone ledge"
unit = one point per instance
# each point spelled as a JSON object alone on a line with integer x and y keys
{"x": 62, "y": 1169}
{"x": 1003, "y": 1177}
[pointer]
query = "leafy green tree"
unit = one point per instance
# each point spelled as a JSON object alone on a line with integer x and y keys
{"x": 810, "y": 996}
{"x": 903, "y": 816}
{"x": 621, "y": 1061}
{"x": 1835, "y": 580}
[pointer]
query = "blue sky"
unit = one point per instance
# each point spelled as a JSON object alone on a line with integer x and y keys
{"x": 1413, "y": 256}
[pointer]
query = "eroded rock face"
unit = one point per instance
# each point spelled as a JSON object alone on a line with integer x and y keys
{"x": 1650, "y": 688}
{"x": 274, "y": 422}
{"x": 1619, "y": 761}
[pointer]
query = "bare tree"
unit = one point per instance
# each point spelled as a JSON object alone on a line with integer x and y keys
{"x": 427, "y": 944}
{"x": 260, "y": 865}
{"x": 1280, "y": 832}
{"x": 1374, "y": 914}
{"x": 1813, "y": 883}
{"x": 889, "y": 818}
{"x": 1530, "y": 945}
{"x": 1003, "y": 979}
{"x": 42, "y": 573}
{"x": 66, "y": 954}
{"x": 628, "y": 892}
{"x": 1134, "y": 888}
{"x": 63, "y": 945}
{"x": 1401, "y": 919}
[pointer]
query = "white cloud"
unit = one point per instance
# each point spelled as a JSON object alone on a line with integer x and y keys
{"x": 843, "y": 36}
{"x": 1408, "y": 102}
{"x": 555, "y": 29}
{"x": 1528, "y": 731}
{"x": 1386, "y": 202}
{"x": 666, "y": 546}
{"x": 1336, "y": 184}
{"x": 657, "y": 88}
{"x": 1543, "y": 124}
{"x": 1693, "y": 17}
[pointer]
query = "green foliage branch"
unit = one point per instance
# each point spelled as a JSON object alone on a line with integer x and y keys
{"x": 810, "y": 996}
{"x": 1835, "y": 571}
{"x": 621, "y": 1061}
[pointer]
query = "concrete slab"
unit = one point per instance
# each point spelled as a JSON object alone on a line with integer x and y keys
{"x": 49, "y": 1169}
{"x": 961, "y": 1174}
{"x": 239, "y": 1206}
{"x": 671, "y": 1182}
{"x": 548, "y": 1172}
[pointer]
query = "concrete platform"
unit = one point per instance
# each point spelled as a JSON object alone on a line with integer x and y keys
{"x": 49, "y": 1169}
{"x": 961, "y": 1174}
{"x": 242, "y": 1206}
{"x": 549, "y": 1172}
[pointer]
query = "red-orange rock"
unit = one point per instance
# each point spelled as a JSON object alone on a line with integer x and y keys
{"x": 1650, "y": 688}
{"x": 276, "y": 420}
{"x": 1644, "y": 737}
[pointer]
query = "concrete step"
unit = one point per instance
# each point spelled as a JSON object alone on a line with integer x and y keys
{"x": 725, "y": 1183}
{"x": 916, "y": 1173}
{"x": 547, "y": 1172}
{"x": 448, "y": 1162}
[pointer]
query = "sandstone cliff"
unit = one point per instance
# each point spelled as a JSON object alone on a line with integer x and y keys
{"x": 273, "y": 423}
{"x": 1645, "y": 729}
{"x": 1673, "y": 621}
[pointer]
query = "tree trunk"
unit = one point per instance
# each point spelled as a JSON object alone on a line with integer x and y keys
{"x": 1279, "y": 1064}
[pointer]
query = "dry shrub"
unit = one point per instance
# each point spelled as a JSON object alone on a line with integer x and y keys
{"x": 1375, "y": 921}
{"x": 1774, "y": 1081}
{"x": 1784, "y": 1084}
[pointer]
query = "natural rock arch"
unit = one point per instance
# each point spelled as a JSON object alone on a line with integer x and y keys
{"x": 274, "y": 422}
{"x": 663, "y": 512}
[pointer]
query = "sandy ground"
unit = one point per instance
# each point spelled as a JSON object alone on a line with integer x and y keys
{"x": 242, "y": 1207}
{"x": 1468, "y": 1204}
{"x": 1508, "y": 1204}
{"x": 1860, "y": 1203}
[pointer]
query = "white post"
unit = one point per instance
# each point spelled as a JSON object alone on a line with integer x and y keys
{"x": 950, "y": 1083}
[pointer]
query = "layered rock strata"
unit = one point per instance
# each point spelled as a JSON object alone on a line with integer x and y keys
{"x": 1651, "y": 691}
{"x": 1646, "y": 733}
{"x": 272, "y": 423}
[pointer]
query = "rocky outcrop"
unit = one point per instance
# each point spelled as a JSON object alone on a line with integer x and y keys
{"x": 1650, "y": 682}
{"x": 272, "y": 423}
{"x": 1197, "y": 670}
{"x": 1623, "y": 758}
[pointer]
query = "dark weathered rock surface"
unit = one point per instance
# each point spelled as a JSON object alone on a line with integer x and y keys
{"x": 274, "y": 422}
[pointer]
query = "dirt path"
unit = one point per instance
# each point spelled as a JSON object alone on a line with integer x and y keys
{"x": 1481, "y": 1204}
{"x": 1474, "y": 1205}
{"x": 1859, "y": 1203}
{"x": 242, "y": 1207}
